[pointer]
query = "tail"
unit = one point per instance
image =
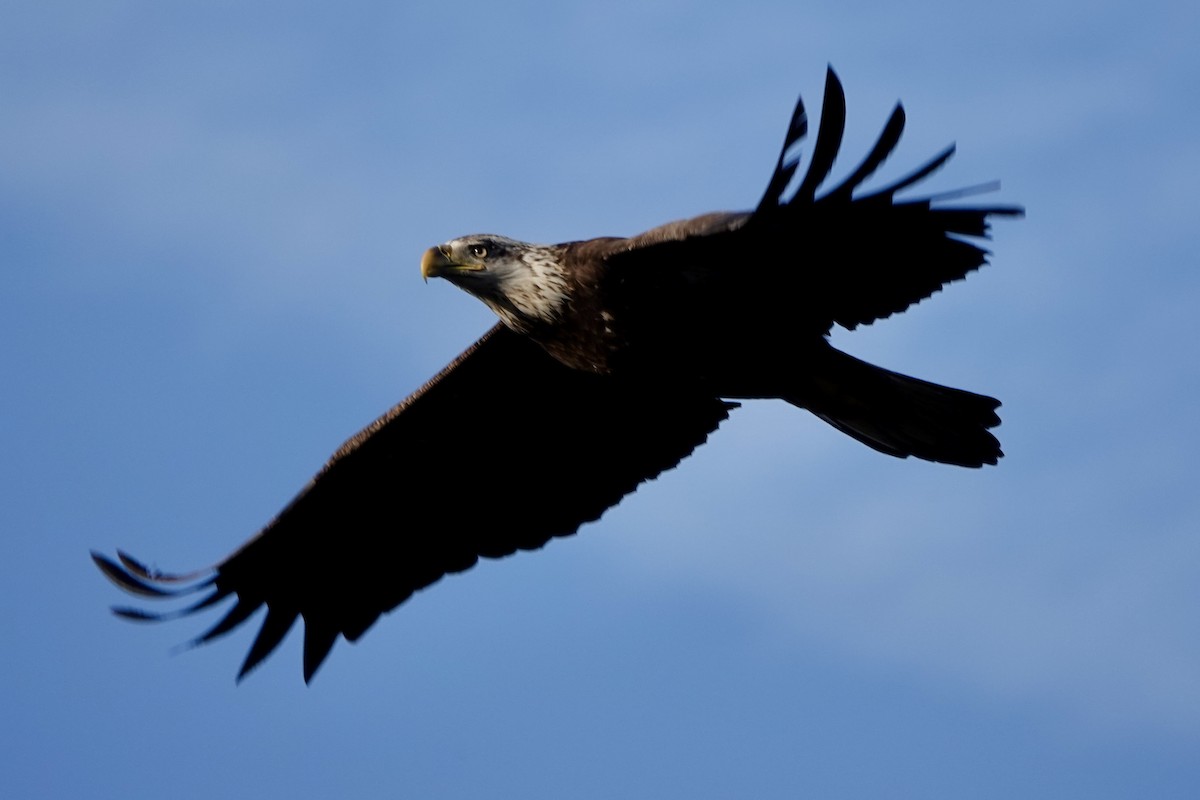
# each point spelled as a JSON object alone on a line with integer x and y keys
{"x": 899, "y": 415}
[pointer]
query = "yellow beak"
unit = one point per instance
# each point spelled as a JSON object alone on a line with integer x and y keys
{"x": 436, "y": 262}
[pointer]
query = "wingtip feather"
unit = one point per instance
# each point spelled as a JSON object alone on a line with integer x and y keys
{"x": 785, "y": 167}
{"x": 318, "y": 641}
{"x": 130, "y": 582}
{"x": 829, "y": 138}
{"x": 274, "y": 628}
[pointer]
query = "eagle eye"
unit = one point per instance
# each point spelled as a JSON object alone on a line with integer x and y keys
{"x": 478, "y": 250}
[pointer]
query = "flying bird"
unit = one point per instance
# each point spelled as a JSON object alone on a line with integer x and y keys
{"x": 613, "y": 359}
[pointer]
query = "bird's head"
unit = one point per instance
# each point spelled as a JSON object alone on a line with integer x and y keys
{"x": 523, "y": 283}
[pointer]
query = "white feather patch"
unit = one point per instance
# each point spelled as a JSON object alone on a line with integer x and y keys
{"x": 534, "y": 285}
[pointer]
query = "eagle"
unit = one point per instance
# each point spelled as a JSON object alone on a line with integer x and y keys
{"x": 613, "y": 359}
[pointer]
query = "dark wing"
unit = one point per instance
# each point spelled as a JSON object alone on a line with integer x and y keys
{"x": 837, "y": 257}
{"x": 502, "y": 451}
{"x": 877, "y": 256}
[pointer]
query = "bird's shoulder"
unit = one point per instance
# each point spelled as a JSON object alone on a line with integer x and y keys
{"x": 596, "y": 253}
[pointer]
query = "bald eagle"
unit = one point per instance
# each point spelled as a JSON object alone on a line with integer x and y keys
{"x": 613, "y": 359}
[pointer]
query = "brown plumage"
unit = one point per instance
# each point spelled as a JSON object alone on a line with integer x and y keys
{"x": 614, "y": 359}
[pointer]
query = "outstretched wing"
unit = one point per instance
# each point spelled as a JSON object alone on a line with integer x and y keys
{"x": 838, "y": 256}
{"x": 501, "y": 451}
{"x": 867, "y": 256}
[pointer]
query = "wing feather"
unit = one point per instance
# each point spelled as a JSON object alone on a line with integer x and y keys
{"x": 829, "y": 137}
{"x": 785, "y": 168}
{"x": 883, "y": 148}
{"x": 279, "y": 620}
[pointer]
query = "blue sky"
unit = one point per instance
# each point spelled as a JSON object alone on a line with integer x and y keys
{"x": 211, "y": 217}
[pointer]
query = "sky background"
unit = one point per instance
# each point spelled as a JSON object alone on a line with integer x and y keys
{"x": 211, "y": 217}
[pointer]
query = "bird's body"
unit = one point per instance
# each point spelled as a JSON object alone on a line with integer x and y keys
{"x": 614, "y": 358}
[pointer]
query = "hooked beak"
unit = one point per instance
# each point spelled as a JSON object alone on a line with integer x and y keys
{"x": 437, "y": 261}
